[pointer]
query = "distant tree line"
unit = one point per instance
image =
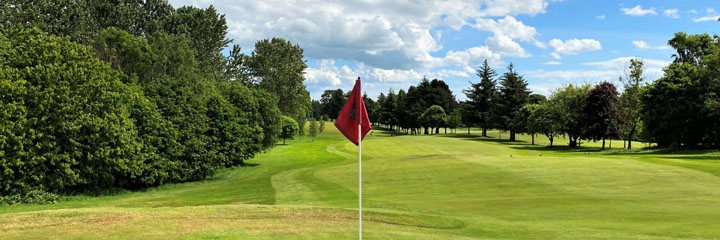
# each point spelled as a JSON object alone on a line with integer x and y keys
{"x": 97, "y": 95}
{"x": 680, "y": 109}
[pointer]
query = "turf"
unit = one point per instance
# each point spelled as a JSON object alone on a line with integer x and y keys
{"x": 454, "y": 186}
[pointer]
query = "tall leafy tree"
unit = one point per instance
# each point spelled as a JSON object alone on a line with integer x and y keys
{"x": 513, "y": 95}
{"x": 332, "y": 101}
{"x": 277, "y": 66}
{"x": 206, "y": 30}
{"x": 483, "y": 95}
{"x": 603, "y": 113}
{"x": 630, "y": 100}
{"x": 570, "y": 102}
{"x": 520, "y": 123}
{"x": 546, "y": 119}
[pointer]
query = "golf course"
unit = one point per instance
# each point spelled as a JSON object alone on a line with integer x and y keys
{"x": 454, "y": 186}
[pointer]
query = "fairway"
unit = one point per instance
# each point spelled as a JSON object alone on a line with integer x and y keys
{"x": 454, "y": 186}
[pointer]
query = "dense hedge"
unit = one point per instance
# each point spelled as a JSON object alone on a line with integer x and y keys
{"x": 128, "y": 112}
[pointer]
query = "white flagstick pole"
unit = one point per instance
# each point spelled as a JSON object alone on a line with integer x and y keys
{"x": 360, "y": 176}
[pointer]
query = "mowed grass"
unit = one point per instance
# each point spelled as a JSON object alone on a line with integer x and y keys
{"x": 454, "y": 186}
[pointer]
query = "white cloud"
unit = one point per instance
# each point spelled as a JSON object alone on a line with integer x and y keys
{"x": 553, "y": 63}
{"x": 706, "y": 19}
{"x": 555, "y": 55}
{"x": 470, "y": 57}
{"x": 621, "y": 62}
{"x": 601, "y": 17}
{"x": 575, "y": 46}
{"x": 638, "y": 11}
{"x": 326, "y": 71}
{"x": 644, "y": 45}
{"x": 384, "y": 34}
{"x": 504, "y": 45}
{"x": 671, "y": 13}
{"x": 507, "y": 26}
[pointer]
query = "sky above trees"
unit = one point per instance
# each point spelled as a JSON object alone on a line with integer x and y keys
{"x": 393, "y": 45}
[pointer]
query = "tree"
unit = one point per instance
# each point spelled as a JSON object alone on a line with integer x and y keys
{"x": 570, "y": 102}
{"x": 603, "y": 114}
{"x": 536, "y": 98}
{"x": 69, "y": 122}
{"x": 321, "y": 125}
{"x": 468, "y": 115}
{"x": 454, "y": 119}
{"x": 545, "y": 119}
{"x": 520, "y": 123}
{"x": 289, "y": 128}
{"x": 206, "y": 30}
{"x": 513, "y": 95}
{"x": 433, "y": 117}
{"x": 313, "y": 130}
{"x": 630, "y": 100}
{"x": 332, "y": 101}
{"x": 483, "y": 96}
{"x": 277, "y": 66}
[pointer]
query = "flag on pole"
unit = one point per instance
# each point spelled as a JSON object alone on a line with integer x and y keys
{"x": 352, "y": 115}
{"x": 353, "y": 122}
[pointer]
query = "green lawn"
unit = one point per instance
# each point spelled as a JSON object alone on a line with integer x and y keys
{"x": 415, "y": 187}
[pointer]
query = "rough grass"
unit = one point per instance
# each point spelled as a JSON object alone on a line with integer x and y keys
{"x": 414, "y": 187}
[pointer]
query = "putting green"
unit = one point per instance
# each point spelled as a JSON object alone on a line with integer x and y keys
{"x": 454, "y": 186}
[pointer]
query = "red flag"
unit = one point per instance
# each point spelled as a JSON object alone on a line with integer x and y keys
{"x": 352, "y": 114}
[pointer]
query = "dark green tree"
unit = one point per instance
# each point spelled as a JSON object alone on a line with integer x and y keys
{"x": 483, "y": 96}
{"x": 332, "y": 101}
{"x": 513, "y": 95}
{"x": 603, "y": 113}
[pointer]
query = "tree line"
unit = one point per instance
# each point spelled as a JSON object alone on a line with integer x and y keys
{"x": 128, "y": 94}
{"x": 680, "y": 109}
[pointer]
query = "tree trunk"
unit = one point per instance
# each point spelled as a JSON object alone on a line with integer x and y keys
{"x": 573, "y": 142}
{"x": 551, "y": 141}
{"x": 445, "y": 130}
{"x": 426, "y": 131}
{"x": 468, "y": 129}
{"x": 533, "y": 139}
{"x": 512, "y": 135}
{"x": 283, "y": 141}
{"x": 629, "y": 145}
{"x": 437, "y": 130}
{"x": 603, "y": 147}
{"x": 484, "y": 131}
{"x": 610, "y": 146}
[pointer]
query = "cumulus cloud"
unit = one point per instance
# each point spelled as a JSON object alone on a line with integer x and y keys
{"x": 389, "y": 35}
{"x": 671, "y": 13}
{"x": 707, "y": 18}
{"x": 638, "y": 11}
{"x": 644, "y": 45}
{"x": 508, "y": 26}
{"x": 575, "y": 46}
{"x": 504, "y": 45}
{"x": 471, "y": 57}
{"x": 601, "y": 17}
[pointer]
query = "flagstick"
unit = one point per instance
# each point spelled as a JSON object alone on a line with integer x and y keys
{"x": 360, "y": 176}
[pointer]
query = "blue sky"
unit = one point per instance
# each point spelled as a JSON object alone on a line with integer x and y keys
{"x": 393, "y": 44}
